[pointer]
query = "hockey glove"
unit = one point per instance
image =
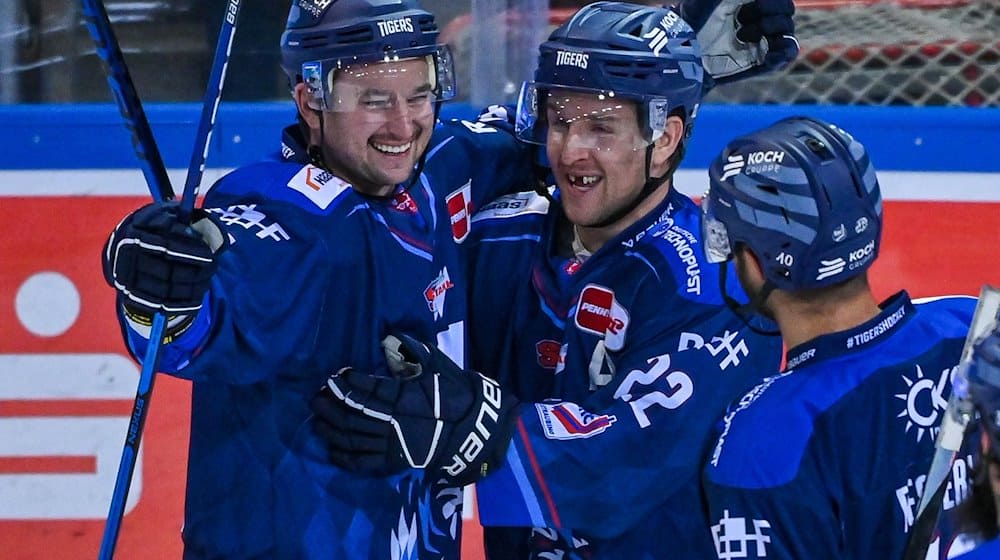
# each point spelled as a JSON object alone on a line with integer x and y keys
{"x": 742, "y": 38}
{"x": 159, "y": 263}
{"x": 431, "y": 414}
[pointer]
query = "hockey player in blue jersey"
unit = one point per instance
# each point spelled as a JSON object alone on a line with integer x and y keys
{"x": 304, "y": 262}
{"x": 823, "y": 459}
{"x": 981, "y": 512}
{"x": 595, "y": 309}
{"x": 313, "y": 256}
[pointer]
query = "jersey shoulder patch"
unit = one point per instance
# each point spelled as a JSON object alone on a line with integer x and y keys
{"x": 318, "y": 185}
{"x": 513, "y": 205}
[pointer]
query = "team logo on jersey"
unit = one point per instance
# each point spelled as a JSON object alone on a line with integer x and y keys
{"x": 548, "y": 354}
{"x": 404, "y": 203}
{"x": 735, "y": 536}
{"x": 435, "y": 292}
{"x": 249, "y": 218}
{"x": 598, "y": 312}
{"x": 924, "y": 402}
{"x": 460, "y": 209}
{"x": 567, "y": 420}
{"x": 730, "y": 343}
{"x": 319, "y": 185}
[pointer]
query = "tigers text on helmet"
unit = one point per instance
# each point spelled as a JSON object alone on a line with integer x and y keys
{"x": 803, "y": 196}
{"x": 325, "y": 36}
{"x": 644, "y": 54}
{"x": 984, "y": 385}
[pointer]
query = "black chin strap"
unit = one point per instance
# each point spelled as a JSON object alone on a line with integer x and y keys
{"x": 746, "y": 311}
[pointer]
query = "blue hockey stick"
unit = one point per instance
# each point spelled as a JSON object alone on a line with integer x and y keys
{"x": 124, "y": 91}
{"x": 210, "y": 108}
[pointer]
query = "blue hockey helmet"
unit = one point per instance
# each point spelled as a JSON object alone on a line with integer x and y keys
{"x": 984, "y": 385}
{"x": 803, "y": 196}
{"x": 323, "y": 36}
{"x": 645, "y": 54}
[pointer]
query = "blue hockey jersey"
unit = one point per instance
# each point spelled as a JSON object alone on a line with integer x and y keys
{"x": 626, "y": 358}
{"x": 828, "y": 459}
{"x": 316, "y": 276}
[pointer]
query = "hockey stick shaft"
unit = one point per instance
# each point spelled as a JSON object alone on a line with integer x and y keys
{"x": 127, "y": 99}
{"x": 154, "y": 170}
{"x": 210, "y": 108}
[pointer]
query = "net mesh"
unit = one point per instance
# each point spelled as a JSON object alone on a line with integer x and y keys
{"x": 879, "y": 52}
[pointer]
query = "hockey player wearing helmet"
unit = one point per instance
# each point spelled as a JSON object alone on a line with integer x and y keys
{"x": 293, "y": 269}
{"x": 595, "y": 309}
{"x": 307, "y": 277}
{"x": 980, "y": 514}
{"x": 823, "y": 459}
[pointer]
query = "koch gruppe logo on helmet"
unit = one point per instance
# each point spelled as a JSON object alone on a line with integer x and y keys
{"x": 733, "y": 167}
{"x": 315, "y": 7}
{"x": 660, "y": 36}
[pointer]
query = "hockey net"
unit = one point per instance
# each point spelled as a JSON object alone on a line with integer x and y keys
{"x": 886, "y": 52}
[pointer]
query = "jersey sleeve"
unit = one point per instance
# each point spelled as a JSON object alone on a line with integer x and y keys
{"x": 260, "y": 314}
{"x": 599, "y": 465}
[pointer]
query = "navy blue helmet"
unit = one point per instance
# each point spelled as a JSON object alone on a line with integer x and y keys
{"x": 645, "y": 54}
{"x": 803, "y": 196}
{"x": 323, "y": 36}
{"x": 984, "y": 386}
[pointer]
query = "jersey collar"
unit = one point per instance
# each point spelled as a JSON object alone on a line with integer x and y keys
{"x": 896, "y": 311}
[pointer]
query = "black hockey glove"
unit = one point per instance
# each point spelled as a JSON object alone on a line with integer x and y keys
{"x": 431, "y": 414}
{"x": 161, "y": 264}
{"x": 742, "y": 38}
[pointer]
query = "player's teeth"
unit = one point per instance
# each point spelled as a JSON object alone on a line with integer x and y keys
{"x": 392, "y": 149}
{"x": 589, "y": 180}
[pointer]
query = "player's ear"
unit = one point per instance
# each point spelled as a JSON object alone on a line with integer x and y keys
{"x": 748, "y": 265}
{"x": 665, "y": 146}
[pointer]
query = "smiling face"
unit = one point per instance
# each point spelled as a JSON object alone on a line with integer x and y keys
{"x": 597, "y": 151}
{"x": 379, "y": 123}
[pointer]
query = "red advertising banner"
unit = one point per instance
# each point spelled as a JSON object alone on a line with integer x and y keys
{"x": 67, "y": 384}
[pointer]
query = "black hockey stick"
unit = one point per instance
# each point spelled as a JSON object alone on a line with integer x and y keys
{"x": 123, "y": 89}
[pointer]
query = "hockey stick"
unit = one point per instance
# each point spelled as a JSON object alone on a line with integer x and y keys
{"x": 209, "y": 108}
{"x": 956, "y": 417}
{"x": 120, "y": 81}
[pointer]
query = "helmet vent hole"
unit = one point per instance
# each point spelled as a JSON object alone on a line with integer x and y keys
{"x": 819, "y": 148}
